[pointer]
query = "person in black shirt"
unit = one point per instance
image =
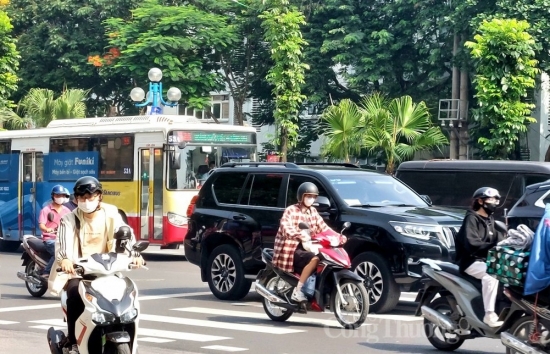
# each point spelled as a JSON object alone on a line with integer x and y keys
{"x": 476, "y": 236}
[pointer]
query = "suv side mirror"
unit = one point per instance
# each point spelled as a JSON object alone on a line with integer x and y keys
{"x": 322, "y": 204}
{"x": 427, "y": 199}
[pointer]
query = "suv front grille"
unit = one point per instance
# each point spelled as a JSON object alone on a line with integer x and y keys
{"x": 449, "y": 234}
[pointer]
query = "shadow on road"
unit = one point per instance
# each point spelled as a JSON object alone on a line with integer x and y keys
{"x": 415, "y": 349}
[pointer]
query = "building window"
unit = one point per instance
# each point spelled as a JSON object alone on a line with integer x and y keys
{"x": 219, "y": 108}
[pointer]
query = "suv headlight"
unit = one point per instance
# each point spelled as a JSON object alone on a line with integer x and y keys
{"x": 424, "y": 232}
{"x": 129, "y": 315}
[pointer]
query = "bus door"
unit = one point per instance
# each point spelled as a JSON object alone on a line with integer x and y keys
{"x": 151, "y": 186}
{"x": 32, "y": 174}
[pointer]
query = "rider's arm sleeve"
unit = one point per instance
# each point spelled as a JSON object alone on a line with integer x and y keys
{"x": 64, "y": 244}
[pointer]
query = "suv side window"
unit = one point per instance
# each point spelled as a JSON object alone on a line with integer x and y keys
{"x": 294, "y": 182}
{"x": 263, "y": 190}
{"x": 227, "y": 187}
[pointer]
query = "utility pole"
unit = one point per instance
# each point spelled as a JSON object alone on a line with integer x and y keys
{"x": 454, "y": 138}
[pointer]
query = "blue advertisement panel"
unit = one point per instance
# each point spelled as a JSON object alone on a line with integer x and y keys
{"x": 70, "y": 166}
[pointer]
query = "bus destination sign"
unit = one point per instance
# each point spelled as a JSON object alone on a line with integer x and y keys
{"x": 211, "y": 137}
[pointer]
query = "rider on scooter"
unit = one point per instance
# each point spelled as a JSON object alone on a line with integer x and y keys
{"x": 288, "y": 253}
{"x": 477, "y": 235}
{"x": 87, "y": 230}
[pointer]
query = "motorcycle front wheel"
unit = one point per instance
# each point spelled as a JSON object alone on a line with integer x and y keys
{"x": 439, "y": 337}
{"x": 34, "y": 289}
{"x": 276, "y": 285}
{"x": 353, "y": 311}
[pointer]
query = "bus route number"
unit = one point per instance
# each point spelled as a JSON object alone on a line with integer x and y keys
{"x": 127, "y": 171}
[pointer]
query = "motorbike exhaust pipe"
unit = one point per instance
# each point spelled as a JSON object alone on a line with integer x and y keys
{"x": 260, "y": 289}
{"x": 25, "y": 277}
{"x": 516, "y": 344}
{"x": 438, "y": 318}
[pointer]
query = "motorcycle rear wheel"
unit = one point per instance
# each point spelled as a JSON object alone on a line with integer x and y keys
{"x": 355, "y": 293}
{"x": 522, "y": 328}
{"x": 447, "y": 344}
{"x": 276, "y": 313}
{"x": 33, "y": 289}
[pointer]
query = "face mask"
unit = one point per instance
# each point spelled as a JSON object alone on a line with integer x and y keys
{"x": 489, "y": 207}
{"x": 59, "y": 200}
{"x": 308, "y": 201}
{"x": 88, "y": 206}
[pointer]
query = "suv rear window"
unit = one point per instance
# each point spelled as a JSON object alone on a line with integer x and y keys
{"x": 227, "y": 187}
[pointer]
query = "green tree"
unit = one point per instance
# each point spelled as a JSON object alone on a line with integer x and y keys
{"x": 40, "y": 106}
{"x": 398, "y": 127}
{"x": 182, "y": 41}
{"x": 9, "y": 61}
{"x": 282, "y": 31}
{"x": 341, "y": 125}
{"x": 56, "y": 38}
{"x": 505, "y": 67}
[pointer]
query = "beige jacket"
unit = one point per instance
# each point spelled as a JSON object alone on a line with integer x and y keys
{"x": 67, "y": 244}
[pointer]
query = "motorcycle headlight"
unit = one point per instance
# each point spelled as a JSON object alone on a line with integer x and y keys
{"x": 424, "y": 232}
{"x": 129, "y": 315}
{"x": 103, "y": 318}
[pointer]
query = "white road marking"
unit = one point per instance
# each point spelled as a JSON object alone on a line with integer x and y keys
{"x": 224, "y": 348}
{"x": 32, "y": 307}
{"x": 2, "y": 322}
{"x": 155, "y": 340}
{"x": 46, "y": 327}
{"x": 51, "y": 322}
{"x": 216, "y": 324}
{"x": 300, "y": 319}
{"x": 170, "y": 296}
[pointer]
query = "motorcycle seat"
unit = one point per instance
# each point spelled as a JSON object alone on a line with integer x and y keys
{"x": 37, "y": 245}
{"x": 453, "y": 269}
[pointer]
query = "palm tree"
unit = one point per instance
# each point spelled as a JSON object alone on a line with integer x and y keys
{"x": 341, "y": 123}
{"x": 39, "y": 107}
{"x": 398, "y": 127}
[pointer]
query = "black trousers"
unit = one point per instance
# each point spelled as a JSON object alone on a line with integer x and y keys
{"x": 75, "y": 308}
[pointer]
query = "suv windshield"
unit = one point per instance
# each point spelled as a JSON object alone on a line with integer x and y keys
{"x": 374, "y": 191}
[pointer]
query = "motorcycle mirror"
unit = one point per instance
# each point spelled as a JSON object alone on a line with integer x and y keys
{"x": 347, "y": 224}
{"x": 303, "y": 226}
{"x": 140, "y": 246}
{"x": 123, "y": 233}
{"x": 51, "y": 216}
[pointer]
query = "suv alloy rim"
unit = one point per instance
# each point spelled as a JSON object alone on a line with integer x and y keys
{"x": 223, "y": 272}
{"x": 372, "y": 280}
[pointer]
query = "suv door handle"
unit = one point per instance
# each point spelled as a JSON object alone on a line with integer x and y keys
{"x": 239, "y": 217}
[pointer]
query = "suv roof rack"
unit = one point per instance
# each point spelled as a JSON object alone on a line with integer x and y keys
{"x": 258, "y": 164}
{"x": 343, "y": 164}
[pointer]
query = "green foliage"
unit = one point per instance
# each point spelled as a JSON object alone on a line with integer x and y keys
{"x": 9, "y": 61}
{"x": 503, "y": 53}
{"x": 282, "y": 31}
{"x": 341, "y": 124}
{"x": 182, "y": 41}
{"x": 398, "y": 127}
{"x": 56, "y": 37}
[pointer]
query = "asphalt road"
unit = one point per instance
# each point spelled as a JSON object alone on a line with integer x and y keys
{"x": 180, "y": 315}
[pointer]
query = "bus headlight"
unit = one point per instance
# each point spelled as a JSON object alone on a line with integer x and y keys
{"x": 129, "y": 315}
{"x": 176, "y": 219}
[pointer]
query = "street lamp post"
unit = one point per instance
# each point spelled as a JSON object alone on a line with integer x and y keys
{"x": 155, "y": 93}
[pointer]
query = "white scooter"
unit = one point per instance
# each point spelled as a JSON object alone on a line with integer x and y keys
{"x": 110, "y": 319}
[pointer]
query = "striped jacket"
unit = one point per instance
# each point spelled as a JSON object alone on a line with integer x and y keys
{"x": 68, "y": 242}
{"x": 288, "y": 236}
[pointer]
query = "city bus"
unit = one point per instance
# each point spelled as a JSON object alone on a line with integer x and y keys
{"x": 150, "y": 168}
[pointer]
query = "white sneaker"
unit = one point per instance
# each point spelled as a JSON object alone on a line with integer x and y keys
{"x": 491, "y": 320}
{"x": 74, "y": 349}
{"x": 297, "y": 296}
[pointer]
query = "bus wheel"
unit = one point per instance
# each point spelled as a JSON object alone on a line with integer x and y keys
{"x": 225, "y": 274}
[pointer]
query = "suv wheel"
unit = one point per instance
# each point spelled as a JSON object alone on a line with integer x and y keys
{"x": 383, "y": 290}
{"x": 225, "y": 274}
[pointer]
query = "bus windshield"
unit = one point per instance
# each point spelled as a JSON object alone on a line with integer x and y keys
{"x": 196, "y": 162}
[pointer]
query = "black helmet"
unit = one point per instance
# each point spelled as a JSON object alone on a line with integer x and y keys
{"x": 59, "y": 189}
{"x": 306, "y": 188}
{"x": 486, "y": 192}
{"x": 87, "y": 184}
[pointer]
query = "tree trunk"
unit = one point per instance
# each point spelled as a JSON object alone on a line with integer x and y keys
{"x": 238, "y": 110}
{"x": 463, "y": 131}
{"x": 284, "y": 144}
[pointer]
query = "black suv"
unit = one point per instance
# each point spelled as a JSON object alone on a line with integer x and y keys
{"x": 237, "y": 213}
{"x": 530, "y": 207}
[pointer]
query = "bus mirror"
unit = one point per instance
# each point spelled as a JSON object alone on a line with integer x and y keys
{"x": 182, "y": 145}
{"x": 175, "y": 160}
